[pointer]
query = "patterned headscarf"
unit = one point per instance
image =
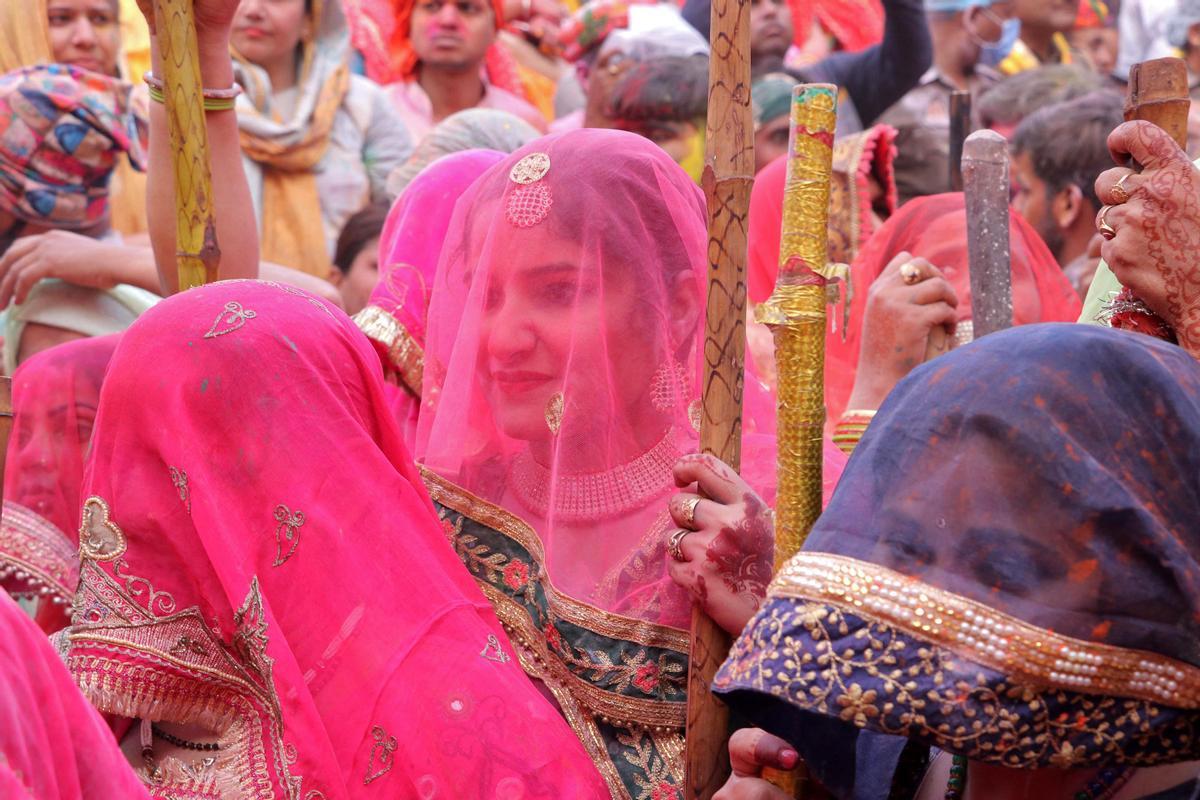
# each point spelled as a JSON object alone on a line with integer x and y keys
{"x": 61, "y": 131}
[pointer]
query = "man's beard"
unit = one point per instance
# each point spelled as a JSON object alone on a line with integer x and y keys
{"x": 1053, "y": 238}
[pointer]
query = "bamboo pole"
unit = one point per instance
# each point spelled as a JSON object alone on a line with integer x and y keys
{"x": 195, "y": 226}
{"x": 960, "y": 129}
{"x": 728, "y": 177}
{"x": 795, "y": 313}
{"x": 986, "y": 189}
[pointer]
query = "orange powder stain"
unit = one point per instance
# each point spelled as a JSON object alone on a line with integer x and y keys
{"x": 1082, "y": 570}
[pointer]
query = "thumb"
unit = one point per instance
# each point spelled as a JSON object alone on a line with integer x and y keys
{"x": 751, "y": 749}
{"x": 1146, "y": 143}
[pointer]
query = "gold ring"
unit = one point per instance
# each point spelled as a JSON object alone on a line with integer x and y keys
{"x": 1119, "y": 192}
{"x": 689, "y": 512}
{"x": 911, "y": 273}
{"x": 1106, "y": 230}
{"x": 675, "y": 542}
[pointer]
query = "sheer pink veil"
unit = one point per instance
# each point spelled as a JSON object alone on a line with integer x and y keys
{"x": 260, "y": 557}
{"x": 55, "y": 396}
{"x": 564, "y": 356}
{"x": 408, "y": 255}
{"x": 53, "y": 745}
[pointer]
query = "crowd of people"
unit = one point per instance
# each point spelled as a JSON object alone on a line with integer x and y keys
{"x": 410, "y": 502}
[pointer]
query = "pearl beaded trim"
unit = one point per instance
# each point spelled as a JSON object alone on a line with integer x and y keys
{"x": 986, "y": 636}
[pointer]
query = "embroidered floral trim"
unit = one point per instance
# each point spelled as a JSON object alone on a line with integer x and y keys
{"x": 493, "y": 651}
{"x": 985, "y": 636}
{"x": 36, "y": 558}
{"x": 231, "y": 318}
{"x": 287, "y": 532}
{"x": 100, "y": 539}
{"x": 405, "y": 356}
{"x": 382, "y": 751}
{"x": 608, "y": 673}
{"x": 134, "y": 655}
{"x": 179, "y": 480}
{"x": 821, "y": 658}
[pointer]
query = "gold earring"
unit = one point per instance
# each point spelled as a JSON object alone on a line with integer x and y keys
{"x": 554, "y": 412}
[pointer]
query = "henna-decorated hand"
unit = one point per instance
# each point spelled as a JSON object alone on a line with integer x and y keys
{"x": 728, "y": 559}
{"x": 750, "y": 751}
{"x": 1156, "y": 249}
{"x": 896, "y": 327}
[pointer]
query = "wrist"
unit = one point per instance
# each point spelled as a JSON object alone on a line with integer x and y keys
{"x": 216, "y": 63}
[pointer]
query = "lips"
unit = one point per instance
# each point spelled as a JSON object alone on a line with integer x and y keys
{"x": 518, "y": 381}
{"x": 89, "y": 64}
{"x": 253, "y": 33}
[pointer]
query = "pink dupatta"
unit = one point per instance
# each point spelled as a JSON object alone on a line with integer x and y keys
{"x": 409, "y": 246}
{"x": 53, "y": 745}
{"x": 55, "y": 396}
{"x": 259, "y": 558}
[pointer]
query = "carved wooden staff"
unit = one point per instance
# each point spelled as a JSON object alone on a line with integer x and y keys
{"x": 960, "y": 129}
{"x": 728, "y": 177}
{"x": 195, "y": 225}
{"x": 795, "y": 313}
{"x": 986, "y": 186}
{"x": 1158, "y": 93}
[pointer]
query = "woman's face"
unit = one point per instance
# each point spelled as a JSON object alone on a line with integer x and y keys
{"x": 266, "y": 32}
{"x": 45, "y": 438}
{"x": 553, "y": 322}
{"x": 85, "y": 34}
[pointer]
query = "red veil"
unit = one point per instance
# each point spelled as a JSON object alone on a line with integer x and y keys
{"x": 260, "y": 559}
{"x": 55, "y": 396}
{"x": 935, "y": 228}
{"x": 562, "y": 380}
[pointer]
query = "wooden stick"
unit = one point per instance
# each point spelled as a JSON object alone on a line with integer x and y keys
{"x": 195, "y": 226}
{"x": 960, "y": 129}
{"x": 1158, "y": 93}
{"x": 728, "y": 177}
{"x": 986, "y": 185}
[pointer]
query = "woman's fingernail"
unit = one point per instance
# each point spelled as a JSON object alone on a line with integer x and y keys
{"x": 788, "y": 758}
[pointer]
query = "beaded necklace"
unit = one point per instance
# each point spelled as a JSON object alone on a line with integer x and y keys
{"x": 1102, "y": 787}
{"x": 595, "y": 496}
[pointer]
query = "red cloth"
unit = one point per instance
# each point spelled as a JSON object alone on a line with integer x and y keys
{"x": 260, "y": 557}
{"x": 53, "y": 745}
{"x": 935, "y": 228}
{"x": 854, "y": 24}
{"x": 379, "y": 30}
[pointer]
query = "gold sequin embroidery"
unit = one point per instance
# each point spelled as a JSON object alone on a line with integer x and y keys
{"x": 100, "y": 539}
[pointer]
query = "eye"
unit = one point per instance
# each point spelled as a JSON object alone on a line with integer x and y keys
{"x": 59, "y": 18}
{"x": 779, "y": 137}
{"x": 558, "y": 292}
{"x": 493, "y": 299}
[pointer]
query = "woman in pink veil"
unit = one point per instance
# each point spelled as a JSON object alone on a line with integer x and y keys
{"x": 55, "y": 395}
{"x": 265, "y": 591}
{"x": 53, "y": 745}
{"x": 409, "y": 246}
{"x": 561, "y": 385}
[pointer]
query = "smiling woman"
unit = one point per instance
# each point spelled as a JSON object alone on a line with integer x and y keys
{"x": 561, "y": 384}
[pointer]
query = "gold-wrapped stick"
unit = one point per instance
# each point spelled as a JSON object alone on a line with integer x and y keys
{"x": 728, "y": 177}
{"x": 795, "y": 313}
{"x": 195, "y": 225}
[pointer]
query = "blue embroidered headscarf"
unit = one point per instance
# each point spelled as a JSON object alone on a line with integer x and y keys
{"x": 1010, "y": 566}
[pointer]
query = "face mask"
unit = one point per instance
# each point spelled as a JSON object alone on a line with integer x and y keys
{"x": 992, "y": 53}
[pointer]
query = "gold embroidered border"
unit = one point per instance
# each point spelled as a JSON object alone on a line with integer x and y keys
{"x": 987, "y": 636}
{"x": 32, "y": 545}
{"x": 537, "y": 661}
{"x": 577, "y": 612}
{"x": 406, "y": 356}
